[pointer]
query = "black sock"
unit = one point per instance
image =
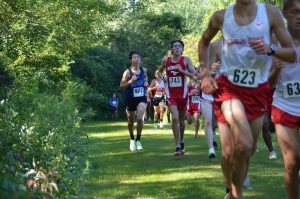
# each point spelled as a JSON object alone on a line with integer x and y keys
{"x": 227, "y": 190}
{"x": 131, "y": 136}
{"x": 138, "y": 138}
{"x": 156, "y": 121}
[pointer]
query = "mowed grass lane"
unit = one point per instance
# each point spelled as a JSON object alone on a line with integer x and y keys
{"x": 116, "y": 172}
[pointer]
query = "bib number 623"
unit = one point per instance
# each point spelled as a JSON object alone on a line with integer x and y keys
{"x": 244, "y": 77}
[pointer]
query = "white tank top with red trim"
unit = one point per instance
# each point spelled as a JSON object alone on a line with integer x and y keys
{"x": 240, "y": 63}
{"x": 160, "y": 89}
{"x": 287, "y": 94}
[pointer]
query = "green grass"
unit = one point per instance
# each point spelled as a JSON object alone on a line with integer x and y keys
{"x": 116, "y": 172}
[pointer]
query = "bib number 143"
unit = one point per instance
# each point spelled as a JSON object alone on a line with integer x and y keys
{"x": 175, "y": 81}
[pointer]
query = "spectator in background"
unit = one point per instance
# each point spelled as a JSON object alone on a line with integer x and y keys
{"x": 113, "y": 106}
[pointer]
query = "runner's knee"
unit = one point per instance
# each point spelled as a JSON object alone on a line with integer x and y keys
{"x": 244, "y": 149}
{"x": 292, "y": 166}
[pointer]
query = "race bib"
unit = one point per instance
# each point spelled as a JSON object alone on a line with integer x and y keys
{"x": 244, "y": 77}
{"x": 175, "y": 82}
{"x": 158, "y": 94}
{"x": 138, "y": 92}
{"x": 291, "y": 89}
{"x": 196, "y": 99}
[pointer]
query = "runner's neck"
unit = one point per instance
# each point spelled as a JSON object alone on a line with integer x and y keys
{"x": 175, "y": 58}
{"x": 244, "y": 14}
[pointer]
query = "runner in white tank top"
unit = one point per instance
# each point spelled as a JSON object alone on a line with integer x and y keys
{"x": 157, "y": 86}
{"x": 286, "y": 104}
{"x": 241, "y": 84}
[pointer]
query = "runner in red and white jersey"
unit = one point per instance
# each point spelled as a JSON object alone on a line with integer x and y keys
{"x": 157, "y": 86}
{"x": 178, "y": 68}
{"x": 242, "y": 85}
{"x": 193, "y": 105}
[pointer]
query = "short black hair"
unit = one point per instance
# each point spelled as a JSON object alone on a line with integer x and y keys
{"x": 287, "y": 4}
{"x": 176, "y": 40}
{"x": 131, "y": 53}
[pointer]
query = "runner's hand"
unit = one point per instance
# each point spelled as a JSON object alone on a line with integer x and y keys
{"x": 278, "y": 64}
{"x": 259, "y": 47}
{"x": 133, "y": 78}
{"x": 215, "y": 68}
{"x": 209, "y": 85}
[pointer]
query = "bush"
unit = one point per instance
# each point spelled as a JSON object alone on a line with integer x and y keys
{"x": 40, "y": 141}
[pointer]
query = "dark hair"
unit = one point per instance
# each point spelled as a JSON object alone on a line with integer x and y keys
{"x": 287, "y": 4}
{"x": 176, "y": 40}
{"x": 131, "y": 53}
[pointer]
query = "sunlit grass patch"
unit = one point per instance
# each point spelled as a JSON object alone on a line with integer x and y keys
{"x": 117, "y": 172}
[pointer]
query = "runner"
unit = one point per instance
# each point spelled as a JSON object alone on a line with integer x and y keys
{"x": 178, "y": 68}
{"x": 158, "y": 88}
{"x": 243, "y": 82}
{"x": 207, "y": 111}
{"x": 286, "y": 103}
{"x": 113, "y": 106}
{"x": 215, "y": 53}
{"x": 134, "y": 81}
{"x": 193, "y": 105}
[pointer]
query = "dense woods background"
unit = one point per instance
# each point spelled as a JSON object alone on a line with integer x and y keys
{"x": 60, "y": 60}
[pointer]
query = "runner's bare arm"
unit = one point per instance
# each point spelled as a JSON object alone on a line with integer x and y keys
{"x": 287, "y": 51}
{"x": 215, "y": 24}
{"x": 146, "y": 77}
{"x": 191, "y": 70}
{"x": 163, "y": 64}
{"x": 214, "y": 56}
{"x": 209, "y": 85}
{"x": 277, "y": 65}
{"x": 152, "y": 85}
{"x": 125, "y": 82}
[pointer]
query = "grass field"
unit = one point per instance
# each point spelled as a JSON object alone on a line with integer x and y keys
{"x": 116, "y": 172}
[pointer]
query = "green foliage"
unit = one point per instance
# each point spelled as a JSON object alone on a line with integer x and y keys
{"x": 40, "y": 37}
{"x": 44, "y": 129}
{"x": 101, "y": 69}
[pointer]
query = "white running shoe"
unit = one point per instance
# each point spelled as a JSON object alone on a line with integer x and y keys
{"x": 226, "y": 196}
{"x": 211, "y": 153}
{"x": 161, "y": 125}
{"x": 138, "y": 145}
{"x": 132, "y": 145}
{"x": 272, "y": 155}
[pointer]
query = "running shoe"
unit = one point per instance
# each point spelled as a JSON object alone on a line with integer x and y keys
{"x": 227, "y": 196}
{"x": 161, "y": 125}
{"x": 139, "y": 146}
{"x": 132, "y": 145}
{"x": 155, "y": 125}
{"x": 178, "y": 151}
{"x": 272, "y": 155}
{"x": 182, "y": 147}
{"x": 211, "y": 153}
{"x": 246, "y": 183}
